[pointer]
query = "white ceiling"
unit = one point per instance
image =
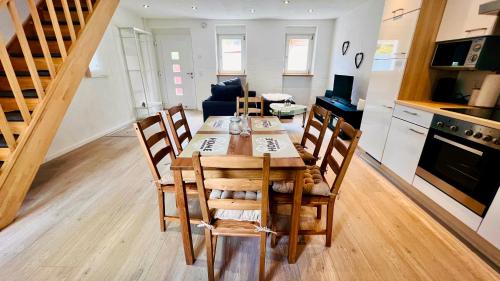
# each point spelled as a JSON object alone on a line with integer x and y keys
{"x": 240, "y": 9}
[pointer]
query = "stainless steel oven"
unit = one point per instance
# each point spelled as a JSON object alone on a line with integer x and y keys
{"x": 462, "y": 159}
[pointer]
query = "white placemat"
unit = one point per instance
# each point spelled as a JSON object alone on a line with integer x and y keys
{"x": 266, "y": 124}
{"x": 278, "y": 145}
{"x": 216, "y": 124}
{"x": 207, "y": 144}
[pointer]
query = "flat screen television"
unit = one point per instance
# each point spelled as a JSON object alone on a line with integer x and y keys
{"x": 342, "y": 88}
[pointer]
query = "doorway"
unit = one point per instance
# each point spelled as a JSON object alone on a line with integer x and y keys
{"x": 175, "y": 61}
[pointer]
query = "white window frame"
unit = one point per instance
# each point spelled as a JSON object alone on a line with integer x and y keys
{"x": 309, "y": 55}
{"x": 220, "y": 37}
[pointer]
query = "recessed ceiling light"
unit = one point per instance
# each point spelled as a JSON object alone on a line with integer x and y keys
{"x": 194, "y": 8}
{"x": 286, "y": 2}
{"x": 310, "y": 10}
{"x": 145, "y": 6}
{"x": 252, "y": 11}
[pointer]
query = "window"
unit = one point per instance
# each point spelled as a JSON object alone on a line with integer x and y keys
{"x": 299, "y": 49}
{"x": 231, "y": 53}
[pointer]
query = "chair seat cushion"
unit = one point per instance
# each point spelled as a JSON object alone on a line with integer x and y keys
{"x": 308, "y": 158}
{"x": 238, "y": 215}
{"x": 313, "y": 183}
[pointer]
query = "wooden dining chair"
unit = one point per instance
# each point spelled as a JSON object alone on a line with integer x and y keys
{"x": 156, "y": 146}
{"x": 317, "y": 192}
{"x": 257, "y": 104}
{"x": 316, "y": 140}
{"x": 177, "y": 113}
{"x": 235, "y": 206}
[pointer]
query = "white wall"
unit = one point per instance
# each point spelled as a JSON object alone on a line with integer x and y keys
{"x": 101, "y": 105}
{"x": 6, "y": 27}
{"x": 360, "y": 27}
{"x": 265, "y": 55}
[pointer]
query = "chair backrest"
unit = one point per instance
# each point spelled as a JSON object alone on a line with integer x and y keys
{"x": 177, "y": 113}
{"x": 321, "y": 126}
{"x": 207, "y": 178}
{"x": 346, "y": 150}
{"x": 259, "y": 101}
{"x": 148, "y": 140}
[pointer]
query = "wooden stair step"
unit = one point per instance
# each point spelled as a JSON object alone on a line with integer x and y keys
{"x": 3, "y": 143}
{"x": 49, "y": 30}
{"x": 10, "y": 104}
{"x": 14, "y": 116}
{"x": 24, "y": 82}
{"x": 22, "y": 73}
{"x": 71, "y": 4}
{"x": 45, "y": 15}
{"x": 34, "y": 37}
{"x": 36, "y": 48}
{"x": 28, "y": 94}
{"x": 19, "y": 63}
{"x": 4, "y": 154}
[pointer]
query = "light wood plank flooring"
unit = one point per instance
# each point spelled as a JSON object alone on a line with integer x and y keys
{"x": 92, "y": 215}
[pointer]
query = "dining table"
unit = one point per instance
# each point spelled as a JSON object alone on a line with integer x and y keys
{"x": 267, "y": 135}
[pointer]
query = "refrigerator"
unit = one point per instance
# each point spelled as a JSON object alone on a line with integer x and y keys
{"x": 393, "y": 46}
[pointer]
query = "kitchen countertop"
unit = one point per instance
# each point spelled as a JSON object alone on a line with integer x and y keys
{"x": 436, "y": 107}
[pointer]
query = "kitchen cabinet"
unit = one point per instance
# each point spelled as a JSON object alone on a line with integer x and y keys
{"x": 403, "y": 148}
{"x": 461, "y": 19}
{"x": 394, "y": 8}
{"x": 490, "y": 226}
{"x": 469, "y": 218}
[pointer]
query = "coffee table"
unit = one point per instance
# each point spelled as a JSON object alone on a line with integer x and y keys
{"x": 281, "y": 109}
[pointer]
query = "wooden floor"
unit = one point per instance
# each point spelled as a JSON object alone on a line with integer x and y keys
{"x": 92, "y": 215}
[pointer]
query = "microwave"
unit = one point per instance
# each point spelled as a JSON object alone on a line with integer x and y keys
{"x": 475, "y": 53}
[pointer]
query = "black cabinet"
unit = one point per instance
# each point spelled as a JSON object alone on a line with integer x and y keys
{"x": 349, "y": 112}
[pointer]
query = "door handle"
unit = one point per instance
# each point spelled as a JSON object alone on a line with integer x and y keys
{"x": 411, "y": 113}
{"x": 415, "y": 131}
{"x": 388, "y": 106}
{"x": 476, "y": 29}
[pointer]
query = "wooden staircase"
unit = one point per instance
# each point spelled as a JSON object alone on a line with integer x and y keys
{"x": 40, "y": 70}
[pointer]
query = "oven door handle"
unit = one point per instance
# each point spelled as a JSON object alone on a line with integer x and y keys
{"x": 459, "y": 145}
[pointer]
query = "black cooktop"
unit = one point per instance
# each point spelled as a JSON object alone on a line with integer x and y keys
{"x": 485, "y": 113}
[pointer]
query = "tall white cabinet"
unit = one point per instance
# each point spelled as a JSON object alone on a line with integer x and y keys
{"x": 395, "y": 38}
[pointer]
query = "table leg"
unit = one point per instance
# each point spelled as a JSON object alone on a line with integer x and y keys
{"x": 182, "y": 210}
{"x": 295, "y": 224}
{"x": 304, "y": 119}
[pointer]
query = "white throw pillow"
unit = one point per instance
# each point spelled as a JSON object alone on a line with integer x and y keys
{"x": 239, "y": 215}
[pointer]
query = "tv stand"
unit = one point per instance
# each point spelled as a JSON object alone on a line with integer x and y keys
{"x": 347, "y": 111}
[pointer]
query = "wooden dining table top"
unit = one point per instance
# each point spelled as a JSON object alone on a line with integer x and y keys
{"x": 242, "y": 146}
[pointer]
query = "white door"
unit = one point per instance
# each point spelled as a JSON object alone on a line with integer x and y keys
{"x": 403, "y": 148}
{"x": 176, "y": 68}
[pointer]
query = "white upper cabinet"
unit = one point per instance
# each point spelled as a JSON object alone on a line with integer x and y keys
{"x": 398, "y": 33}
{"x": 461, "y": 19}
{"x": 394, "y": 8}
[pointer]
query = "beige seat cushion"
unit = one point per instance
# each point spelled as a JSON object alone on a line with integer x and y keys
{"x": 308, "y": 158}
{"x": 239, "y": 215}
{"x": 313, "y": 183}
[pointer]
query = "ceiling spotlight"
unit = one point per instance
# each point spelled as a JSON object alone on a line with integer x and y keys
{"x": 310, "y": 10}
{"x": 145, "y": 6}
{"x": 252, "y": 11}
{"x": 286, "y": 2}
{"x": 194, "y": 8}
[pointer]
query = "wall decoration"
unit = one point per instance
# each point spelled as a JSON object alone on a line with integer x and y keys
{"x": 345, "y": 47}
{"x": 358, "y": 59}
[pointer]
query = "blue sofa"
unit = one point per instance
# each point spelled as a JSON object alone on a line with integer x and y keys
{"x": 222, "y": 102}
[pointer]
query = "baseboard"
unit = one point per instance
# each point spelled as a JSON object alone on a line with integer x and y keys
{"x": 476, "y": 243}
{"x": 83, "y": 142}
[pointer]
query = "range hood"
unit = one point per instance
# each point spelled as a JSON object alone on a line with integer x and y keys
{"x": 490, "y": 8}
